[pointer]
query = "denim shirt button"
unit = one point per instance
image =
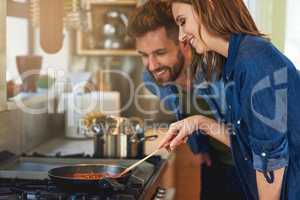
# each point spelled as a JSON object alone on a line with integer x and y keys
{"x": 263, "y": 154}
{"x": 245, "y": 158}
{"x": 238, "y": 122}
{"x": 229, "y": 107}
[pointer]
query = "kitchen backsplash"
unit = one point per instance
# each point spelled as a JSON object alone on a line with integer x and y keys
{"x": 20, "y": 132}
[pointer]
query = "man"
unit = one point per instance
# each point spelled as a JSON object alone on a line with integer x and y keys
{"x": 173, "y": 75}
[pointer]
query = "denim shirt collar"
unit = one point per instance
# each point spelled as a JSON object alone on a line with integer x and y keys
{"x": 199, "y": 83}
{"x": 234, "y": 43}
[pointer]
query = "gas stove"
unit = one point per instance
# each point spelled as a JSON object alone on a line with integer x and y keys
{"x": 26, "y": 178}
{"x": 45, "y": 189}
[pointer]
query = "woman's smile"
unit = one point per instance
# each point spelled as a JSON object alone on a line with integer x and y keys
{"x": 192, "y": 41}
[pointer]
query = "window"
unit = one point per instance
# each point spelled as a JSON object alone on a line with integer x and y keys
{"x": 16, "y": 44}
{"x": 279, "y": 19}
{"x": 292, "y": 39}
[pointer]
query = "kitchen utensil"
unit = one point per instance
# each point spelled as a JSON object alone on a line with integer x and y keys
{"x": 128, "y": 169}
{"x": 34, "y": 13}
{"x": 72, "y": 14}
{"x": 76, "y": 15}
{"x": 77, "y": 105}
{"x": 117, "y": 137}
{"x": 114, "y": 29}
{"x": 65, "y": 177}
{"x": 29, "y": 67}
{"x": 51, "y": 25}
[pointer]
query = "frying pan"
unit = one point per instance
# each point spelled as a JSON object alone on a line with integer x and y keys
{"x": 64, "y": 178}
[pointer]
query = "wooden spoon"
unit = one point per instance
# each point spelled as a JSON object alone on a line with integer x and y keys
{"x": 51, "y": 25}
{"x": 133, "y": 165}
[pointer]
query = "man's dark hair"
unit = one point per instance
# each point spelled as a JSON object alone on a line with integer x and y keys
{"x": 150, "y": 16}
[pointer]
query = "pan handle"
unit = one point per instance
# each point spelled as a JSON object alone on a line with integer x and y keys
{"x": 108, "y": 183}
{"x": 96, "y": 129}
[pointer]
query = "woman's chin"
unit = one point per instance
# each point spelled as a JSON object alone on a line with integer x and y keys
{"x": 199, "y": 50}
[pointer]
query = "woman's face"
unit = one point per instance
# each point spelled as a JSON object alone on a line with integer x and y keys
{"x": 188, "y": 23}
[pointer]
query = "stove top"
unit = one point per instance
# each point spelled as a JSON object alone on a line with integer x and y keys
{"x": 26, "y": 178}
{"x": 11, "y": 189}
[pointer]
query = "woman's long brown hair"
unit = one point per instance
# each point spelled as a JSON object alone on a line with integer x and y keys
{"x": 221, "y": 18}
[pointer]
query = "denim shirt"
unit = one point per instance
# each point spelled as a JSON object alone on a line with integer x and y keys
{"x": 262, "y": 112}
{"x": 169, "y": 95}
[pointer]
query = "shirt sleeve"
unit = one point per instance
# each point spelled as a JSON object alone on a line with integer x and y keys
{"x": 198, "y": 142}
{"x": 149, "y": 83}
{"x": 264, "y": 110}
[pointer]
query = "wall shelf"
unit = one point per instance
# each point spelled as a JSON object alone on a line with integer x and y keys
{"x": 91, "y": 43}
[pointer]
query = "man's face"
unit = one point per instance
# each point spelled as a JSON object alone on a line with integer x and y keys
{"x": 161, "y": 56}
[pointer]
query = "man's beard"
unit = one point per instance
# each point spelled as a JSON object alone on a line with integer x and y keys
{"x": 174, "y": 71}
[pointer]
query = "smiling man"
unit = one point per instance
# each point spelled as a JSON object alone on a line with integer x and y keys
{"x": 161, "y": 56}
{"x": 157, "y": 43}
{"x": 172, "y": 73}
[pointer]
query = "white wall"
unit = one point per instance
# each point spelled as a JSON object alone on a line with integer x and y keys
{"x": 292, "y": 40}
{"x": 57, "y": 61}
{"x": 16, "y": 44}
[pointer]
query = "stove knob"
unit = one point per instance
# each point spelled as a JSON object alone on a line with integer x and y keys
{"x": 161, "y": 191}
{"x": 160, "y": 194}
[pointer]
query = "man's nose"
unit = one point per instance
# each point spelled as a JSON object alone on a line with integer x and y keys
{"x": 153, "y": 63}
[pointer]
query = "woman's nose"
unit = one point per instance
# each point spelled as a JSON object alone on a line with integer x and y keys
{"x": 182, "y": 35}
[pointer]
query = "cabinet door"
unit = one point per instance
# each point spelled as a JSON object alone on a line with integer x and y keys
{"x": 187, "y": 174}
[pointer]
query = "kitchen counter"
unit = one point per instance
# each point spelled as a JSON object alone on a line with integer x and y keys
{"x": 65, "y": 146}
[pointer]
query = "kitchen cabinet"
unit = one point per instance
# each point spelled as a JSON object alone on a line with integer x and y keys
{"x": 183, "y": 172}
{"x": 187, "y": 174}
{"x": 106, "y": 34}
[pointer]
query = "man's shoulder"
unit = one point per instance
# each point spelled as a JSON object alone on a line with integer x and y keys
{"x": 147, "y": 77}
{"x": 151, "y": 85}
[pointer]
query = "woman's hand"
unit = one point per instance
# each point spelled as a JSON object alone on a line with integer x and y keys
{"x": 179, "y": 131}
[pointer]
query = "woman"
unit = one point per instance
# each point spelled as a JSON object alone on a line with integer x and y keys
{"x": 261, "y": 121}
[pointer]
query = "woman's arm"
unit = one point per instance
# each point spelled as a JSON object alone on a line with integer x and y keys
{"x": 269, "y": 191}
{"x": 179, "y": 131}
